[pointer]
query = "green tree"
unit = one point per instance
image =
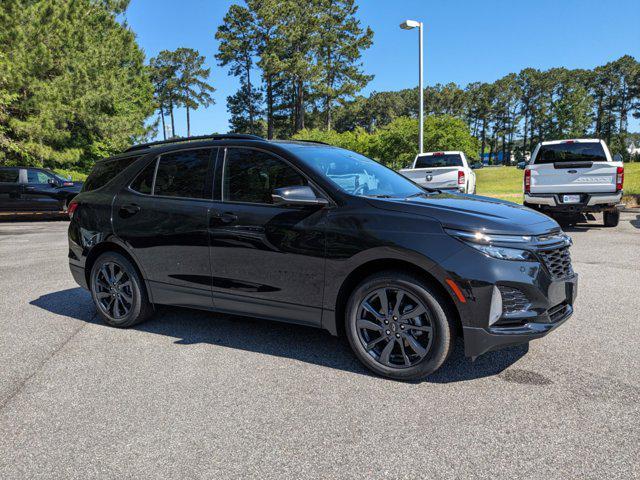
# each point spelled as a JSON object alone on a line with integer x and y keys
{"x": 192, "y": 81}
{"x": 340, "y": 44}
{"x": 163, "y": 71}
{"x": 238, "y": 46}
{"x": 74, "y": 85}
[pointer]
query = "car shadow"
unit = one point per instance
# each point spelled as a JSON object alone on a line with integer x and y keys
{"x": 635, "y": 223}
{"x": 305, "y": 344}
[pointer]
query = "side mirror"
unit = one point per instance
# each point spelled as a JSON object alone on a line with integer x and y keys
{"x": 617, "y": 157}
{"x": 52, "y": 181}
{"x": 298, "y": 195}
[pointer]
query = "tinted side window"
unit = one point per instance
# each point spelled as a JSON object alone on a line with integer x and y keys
{"x": 251, "y": 176}
{"x": 105, "y": 171}
{"x": 183, "y": 174}
{"x": 38, "y": 177}
{"x": 144, "y": 181}
{"x": 8, "y": 175}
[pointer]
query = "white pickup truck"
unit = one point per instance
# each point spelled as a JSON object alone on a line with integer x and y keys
{"x": 566, "y": 178}
{"x": 442, "y": 170}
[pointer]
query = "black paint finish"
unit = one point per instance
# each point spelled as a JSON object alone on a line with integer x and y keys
{"x": 296, "y": 263}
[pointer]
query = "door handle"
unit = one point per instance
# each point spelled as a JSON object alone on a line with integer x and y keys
{"x": 573, "y": 171}
{"x": 126, "y": 211}
{"x": 225, "y": 217}
{"x": 30, "y": 189}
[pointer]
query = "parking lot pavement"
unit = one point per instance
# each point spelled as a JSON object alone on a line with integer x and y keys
{"x": 193, "y": 394}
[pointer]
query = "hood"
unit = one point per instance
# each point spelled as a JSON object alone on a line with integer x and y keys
{"x": 472, "y": 212}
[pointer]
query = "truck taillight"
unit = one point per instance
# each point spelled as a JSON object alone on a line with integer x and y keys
{"x": 619, "y": 178}
{"x": 527, "y": 181}
{"x": 72, "y": 208}
{"x": 460, "y": 177}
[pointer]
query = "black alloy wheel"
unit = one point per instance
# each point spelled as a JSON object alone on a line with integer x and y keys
{"x": 118, "y": 291}
{"x": 399, "y": 326}
{"x": 395, "y": 327}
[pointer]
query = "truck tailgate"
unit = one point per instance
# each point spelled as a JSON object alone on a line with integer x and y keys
{"x": 600, "y": 177}
{"x": 437, "y": 177}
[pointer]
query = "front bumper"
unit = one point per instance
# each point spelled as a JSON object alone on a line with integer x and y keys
{"x": 589, "y": 202}
{"x": 543, "y": 302}
{"x": 481, "y": 340}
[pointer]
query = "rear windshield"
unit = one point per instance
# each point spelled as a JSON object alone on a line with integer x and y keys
{"x": 570, "y": 152}
{"x": 104, "y": 171}
{"x": 444, "y": 160}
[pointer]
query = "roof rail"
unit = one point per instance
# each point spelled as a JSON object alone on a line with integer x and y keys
{"x": 312, "y": 141}
{"x": 222, "y": 136}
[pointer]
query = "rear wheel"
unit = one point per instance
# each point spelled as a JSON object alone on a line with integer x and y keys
{"x": 611, "y": 218}
{"x": 398, "y": 326}
{"x": 118, "y": 291}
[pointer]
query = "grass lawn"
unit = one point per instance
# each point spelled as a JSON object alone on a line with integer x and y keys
{"x": 506, "y": 182}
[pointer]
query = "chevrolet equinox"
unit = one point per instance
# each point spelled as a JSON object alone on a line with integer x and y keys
{"x": 312, "y": 234}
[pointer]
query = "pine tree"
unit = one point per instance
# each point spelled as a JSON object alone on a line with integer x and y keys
{"x": 237, "y": 49}
{"x": 192, "y": 81}
{"x": 341, "y": 41}
{"x": 75, "y": 86}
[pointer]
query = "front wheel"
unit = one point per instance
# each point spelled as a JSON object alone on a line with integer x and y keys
{"x": 118, "y": 291}
{"x": 398, "y": 326}
{"x": 611, "y": 218}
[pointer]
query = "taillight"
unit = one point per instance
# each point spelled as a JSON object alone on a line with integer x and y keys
{"x": 619, "y": 178}
{"x": 72, "y": 208}
{"x": 527, "y": 181}
{"x": 460, "y": 177}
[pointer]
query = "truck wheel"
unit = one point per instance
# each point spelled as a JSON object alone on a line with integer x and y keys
{"x": 398, "y": 326}
{"x": 611, "y": 218}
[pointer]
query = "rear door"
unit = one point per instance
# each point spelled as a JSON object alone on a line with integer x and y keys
{"x": 9, "y": 189}
{"x": 162, "y": 217}
{"x": 572, "y": 167}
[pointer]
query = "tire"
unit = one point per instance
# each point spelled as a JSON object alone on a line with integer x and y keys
{"x": 611, "y": 218}
{"x": 118, "y": 291}
{"x": 433, "y": 332}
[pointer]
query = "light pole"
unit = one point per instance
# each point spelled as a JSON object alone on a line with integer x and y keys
{"x": 408, "y": 25}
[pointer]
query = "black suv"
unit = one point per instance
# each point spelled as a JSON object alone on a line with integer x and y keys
{"x": 30, "y": 189}
{"x": 312, "y": 234}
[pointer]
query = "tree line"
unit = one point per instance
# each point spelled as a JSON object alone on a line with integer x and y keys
{"x": 519, "y": 110}
{"x": 75, "y": 87}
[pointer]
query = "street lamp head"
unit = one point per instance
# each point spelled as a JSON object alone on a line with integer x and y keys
{"x": 409, "y": 24}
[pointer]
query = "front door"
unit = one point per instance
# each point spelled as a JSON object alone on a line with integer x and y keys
{"x": 41, "y": 191}
{"x": 266, "y": 259}
{"x": 162, "y": 218}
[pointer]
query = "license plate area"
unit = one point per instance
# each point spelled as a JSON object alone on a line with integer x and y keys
{"x": 570, "y": 198}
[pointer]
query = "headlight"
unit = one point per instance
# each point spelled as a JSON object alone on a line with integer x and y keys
{"x": 486, "y": 244}
{"x": 503, "y": 253}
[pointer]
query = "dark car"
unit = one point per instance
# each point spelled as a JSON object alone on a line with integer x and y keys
{"x": 242, "y": 225}
{"x": 28, "y": 189}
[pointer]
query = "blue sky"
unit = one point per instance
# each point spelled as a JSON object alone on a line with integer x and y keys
{"x": 465, "y": 41}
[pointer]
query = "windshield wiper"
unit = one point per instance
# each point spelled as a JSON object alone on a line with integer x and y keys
{"x": 428, "y": 190}
{"x": 381, "y": 195}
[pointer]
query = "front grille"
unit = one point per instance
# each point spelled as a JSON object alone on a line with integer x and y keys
{"x": 558, "y": 262}
{"x": 513, "y": 300}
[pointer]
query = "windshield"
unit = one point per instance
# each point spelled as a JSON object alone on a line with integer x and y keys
{"x": 570, "y": 152}
{"x": 439, "y": 160}
{"x": 356, "y": 174}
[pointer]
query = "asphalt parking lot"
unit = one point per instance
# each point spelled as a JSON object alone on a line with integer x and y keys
{"x": 192, "y": 394}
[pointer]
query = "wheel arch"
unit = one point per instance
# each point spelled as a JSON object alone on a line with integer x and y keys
{"x": 111, "y": 246}
{"x": 379, "y": 265}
